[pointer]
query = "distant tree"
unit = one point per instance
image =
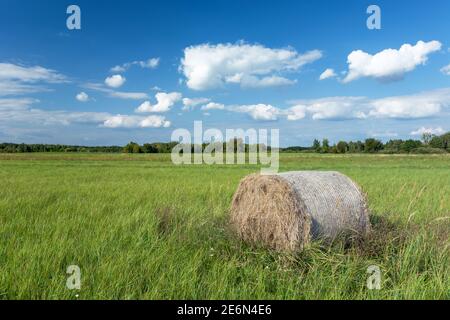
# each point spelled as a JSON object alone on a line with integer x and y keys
{"x": 149, "y": 148}
{"x": 372, "y": 145}
{"x": 341, "y": 147}
{"x": 442, "y": 142}
{"x": 409, "y": 145}
{"x": 352, "y": 147}
{"x": 132, "y": 147}
{"x": 426, "y": 138}
{"x": 137, "y": 149}
{"x": 333, "y": 149}
{"x": 393, "y": 145}
{"x": 316, "y": 145}
{"x": 325, "y": 146}
{"x": 359, "y": 146}
{"x": 437, "y": 142}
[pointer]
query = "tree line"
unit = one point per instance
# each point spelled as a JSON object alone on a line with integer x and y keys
{"x": 428, "y": 144}
{"x": 22, "y": 147}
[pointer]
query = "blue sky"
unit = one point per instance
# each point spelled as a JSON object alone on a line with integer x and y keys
{"x": 231, "y": 64}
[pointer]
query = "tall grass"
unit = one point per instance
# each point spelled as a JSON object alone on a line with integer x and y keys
{"x": 142, "y": 228}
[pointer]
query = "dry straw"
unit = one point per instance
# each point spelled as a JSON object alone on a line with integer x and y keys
{"x": 287, "y": 210}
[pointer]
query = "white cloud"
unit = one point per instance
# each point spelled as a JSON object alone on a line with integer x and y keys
{"x": 128, "y": 95}
{"x": 151, "y": 63}
{"x": 115, "y": 81}
{"x": 116, "y": 94}
{"x": 270, "y": 81}
{"x": 190, "y": 103}
{"x": 420, "y": 105}
{"x": 446, "y": 70}
{"x": 296, "y": 113}
{"x": 82, "y": 97}
{"x": 118, "y": 69}
{"x": 264, "y": 112}
{"x": 17, "y": 80}
{"x": 328, "y": 73}
{"x": 210, "y": 66}
{"x": 8, "y": 88}
{"x": 213, "y": 106}
{"x": 9, "y": 71}
{"x": 336, "y": 108}
{"x": 389, "y": 64}
{"x": 18, "y": 112}
{"x": 126, "y": 121}
{"x": 16, "y": 103}
{"x": 386, "y": 134}
{"x": 423, "y": 130}
{"x": 164, "y": 102}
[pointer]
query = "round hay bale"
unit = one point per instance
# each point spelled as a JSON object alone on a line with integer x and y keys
{"x": 285, "y": 211}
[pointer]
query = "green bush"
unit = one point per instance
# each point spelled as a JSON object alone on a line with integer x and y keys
{"x": 428, "y": 150}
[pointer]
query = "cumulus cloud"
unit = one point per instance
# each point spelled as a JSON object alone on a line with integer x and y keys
{"x": 263, "y": 112}
{"x": 423, "y": 130}
{"x": 248, "y": 81}
{"x": 190, "y": 103}
{"x": 446, "y": 70}
{"x": 127, "y": 121}
{"x": 420, "y": 105}
{"x": 115, "y": 81}
{"x": 208, "y": 66}
{"x": 19, "y": 112}
{"x": 82, "y": 97}
{"x": 296, "y": 113}
{"x": 336, "y": 108}
{"x": 164, "y": 102}
{"x": 389, "y": 64}
{"x": 328, "y": 73}
{"x": 151, "y": 63}
{"x": 213, "y": 106}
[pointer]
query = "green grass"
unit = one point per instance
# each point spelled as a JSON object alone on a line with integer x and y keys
{"x": 141, "y": 228}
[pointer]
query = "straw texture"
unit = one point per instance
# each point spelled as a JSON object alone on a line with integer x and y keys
{"x": 286, "y": 211}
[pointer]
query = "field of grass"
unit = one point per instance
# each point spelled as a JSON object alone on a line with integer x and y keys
{"x": 142, "y": 228}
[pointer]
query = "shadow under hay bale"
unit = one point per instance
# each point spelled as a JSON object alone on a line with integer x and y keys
{"x": 288, "y": 210}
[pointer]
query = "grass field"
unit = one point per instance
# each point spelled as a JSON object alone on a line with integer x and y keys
{"x": 142, "y": 228}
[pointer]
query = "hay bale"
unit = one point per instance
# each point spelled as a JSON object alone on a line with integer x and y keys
{"x": 285, "y": 211}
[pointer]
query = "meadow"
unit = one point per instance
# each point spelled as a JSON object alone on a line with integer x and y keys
{"x": 141, "y": 228}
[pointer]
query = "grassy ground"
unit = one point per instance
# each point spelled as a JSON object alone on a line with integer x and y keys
{"x": 141, "y": 228}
